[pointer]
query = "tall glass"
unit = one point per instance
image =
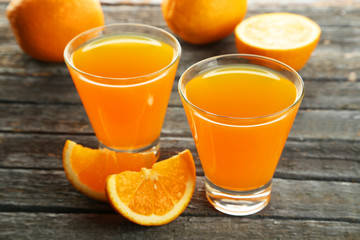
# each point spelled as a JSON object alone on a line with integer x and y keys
{"x": 124, "y": 75}
{"x": 240, "y": 109}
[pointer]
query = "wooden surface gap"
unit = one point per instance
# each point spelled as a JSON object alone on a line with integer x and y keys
{"x": 8, "y": 208}
{"x": 316, "y": 185}
{"x": 48, "y": 133}
{"x": 290, "y": 176}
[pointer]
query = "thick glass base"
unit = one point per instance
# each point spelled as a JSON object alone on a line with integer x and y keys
{"x": 153, "y": 147}
{"x": 238, "y": 203}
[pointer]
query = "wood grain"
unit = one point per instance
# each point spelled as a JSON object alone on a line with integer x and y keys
{"x": 339, "y": 40}
{"x": 316, "y": 184}
{"x": 39, "y": 190}
{"x": 55, "y": 90}
{"x": 110, "y": 226}
{"x": 72, "y": 119}
{"x": 311, "y": 160}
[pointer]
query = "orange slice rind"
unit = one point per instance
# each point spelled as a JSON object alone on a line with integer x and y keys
{"x": 87, "y": 168}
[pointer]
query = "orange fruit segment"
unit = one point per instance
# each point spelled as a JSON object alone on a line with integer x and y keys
{"x": 88, "y": 168}
{"x": 154, "y": 196}
{"x": 205, "y": 21}
{"x": 42, "y": 28}
{"x": 287, "y": 37}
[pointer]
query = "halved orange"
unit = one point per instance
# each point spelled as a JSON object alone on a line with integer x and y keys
{"x": 154, "y": 196}
{"x": 287, "y": 37}
{"x": 88, "y": 168}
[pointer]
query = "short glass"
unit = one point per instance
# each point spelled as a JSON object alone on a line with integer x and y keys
{"x": 124, "y": 75}
{"x": 239, "y": 153}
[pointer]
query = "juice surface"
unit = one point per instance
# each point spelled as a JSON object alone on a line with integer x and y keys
{"x": 240, "y": 155}
{"x": 123, "y": 56}
{"x": 125, "y": 113}
{"x": 241, "y": 91}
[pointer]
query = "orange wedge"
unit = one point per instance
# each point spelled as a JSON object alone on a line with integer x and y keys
{"x": 154, "y": 196}
{"x": 88, "y": 168}
{"x": 287, "y": 37}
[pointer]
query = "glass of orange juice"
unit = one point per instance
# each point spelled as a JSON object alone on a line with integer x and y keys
{"x": 124, "y": 74}
{"x": 240, "y": 109}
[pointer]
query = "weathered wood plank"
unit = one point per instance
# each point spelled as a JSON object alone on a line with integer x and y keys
{"x": 14, "y": 62}
{"x": 327, "y": 160}
{"x": 331, "y": 95}
{"x": 41, "y": 190}
{"x": 38, "y": 118}
{"x": 340, "y": 38}
{"x": 320, "y": 124}
{"x": 316, "y": 185}
{"x": 312, "y": 124}
{"x": 110, "y": 226}
{"x": 38, "y": 89}
{"x": 319, "y": 95}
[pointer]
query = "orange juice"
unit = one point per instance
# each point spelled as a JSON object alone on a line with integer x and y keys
{"x": 238, "y": 147}
{"x": 124, "y": 82}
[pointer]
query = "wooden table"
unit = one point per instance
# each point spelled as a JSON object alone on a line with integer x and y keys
{"x": 316, "y": 187}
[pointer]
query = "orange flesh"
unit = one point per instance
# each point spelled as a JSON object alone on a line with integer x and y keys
{"x": 154, "y": 191}
{"x": 240, "y": 157}
{"x": 94, "y": 165}
{"x": 289, "y": 38}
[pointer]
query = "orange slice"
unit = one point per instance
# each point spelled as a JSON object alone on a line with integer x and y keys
{"x": 88, "y": 168}
{"x": 287, "y": 37}
{"x": 154, "y": 196}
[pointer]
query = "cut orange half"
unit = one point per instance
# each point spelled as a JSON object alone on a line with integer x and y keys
{"x": 154, "y": 196}
{"x": 88, "y": 168}
{"x": 287, "y": 37}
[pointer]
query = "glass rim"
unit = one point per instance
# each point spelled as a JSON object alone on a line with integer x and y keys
{"x": 176, "y": 56}
{"x": 248, "y": 56}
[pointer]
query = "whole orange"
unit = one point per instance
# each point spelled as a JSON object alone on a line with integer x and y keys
{"x": 43, "y": 27}
{"x": 203, "y": 21}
